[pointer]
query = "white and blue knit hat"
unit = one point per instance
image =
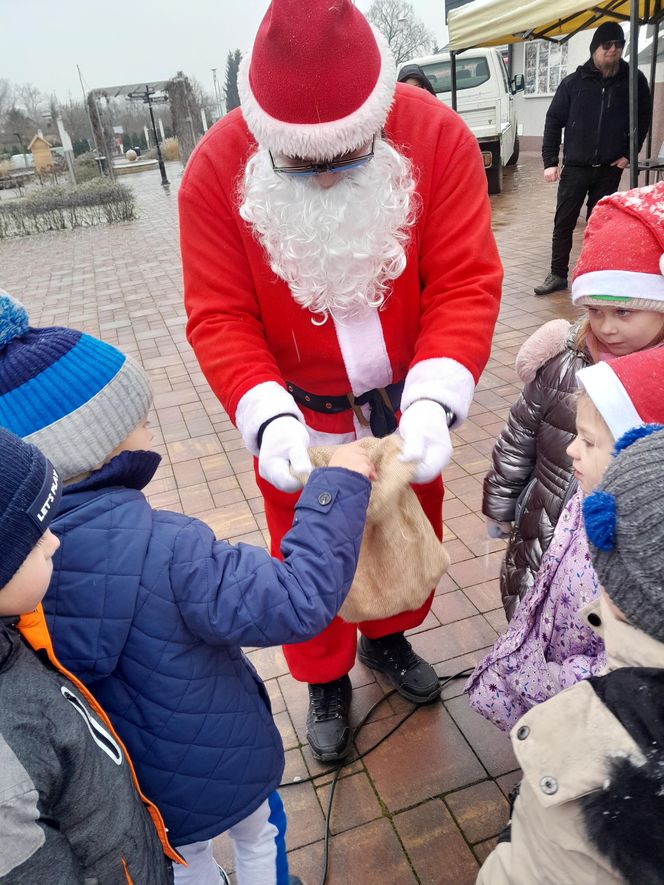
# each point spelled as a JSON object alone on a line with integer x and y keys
{"x": 71, "y": 395}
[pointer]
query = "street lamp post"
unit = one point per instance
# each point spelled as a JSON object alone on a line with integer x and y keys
{"x": 217, "y": 93}
{"x": 147, "y": 98}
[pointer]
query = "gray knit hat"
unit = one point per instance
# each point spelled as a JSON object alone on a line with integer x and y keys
{"x": 624, "y": 520}
{"x": 71, "y": 395}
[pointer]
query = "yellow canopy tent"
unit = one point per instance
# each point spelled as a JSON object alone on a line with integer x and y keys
{"x": 496, "y": 22}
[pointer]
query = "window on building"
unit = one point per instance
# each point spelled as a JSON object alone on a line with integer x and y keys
{"x": 545, "y": 66}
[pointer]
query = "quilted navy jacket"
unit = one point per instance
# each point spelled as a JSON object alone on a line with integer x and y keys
{"x": 150, "y": 610}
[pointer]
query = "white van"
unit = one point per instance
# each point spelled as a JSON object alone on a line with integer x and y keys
{"x": 485, "y": 100}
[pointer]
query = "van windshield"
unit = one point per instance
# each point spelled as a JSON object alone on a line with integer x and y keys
{"x": 470, "y": 72}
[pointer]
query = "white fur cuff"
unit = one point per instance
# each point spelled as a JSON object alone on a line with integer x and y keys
{"x": 259, "y": 404}
{"x": 441, "y": 379}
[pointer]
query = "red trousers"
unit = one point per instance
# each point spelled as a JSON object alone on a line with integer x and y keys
{"x": 331, "y": 654}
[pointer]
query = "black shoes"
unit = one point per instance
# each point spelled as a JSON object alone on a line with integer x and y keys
{"x": 553, "y": 283}
{"x": 328, "y": 731}
{"x": 411, "y": 675}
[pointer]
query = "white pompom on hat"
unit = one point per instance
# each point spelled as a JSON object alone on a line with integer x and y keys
{"x": 622, "y": 259}
{"x": 319, "y": 81}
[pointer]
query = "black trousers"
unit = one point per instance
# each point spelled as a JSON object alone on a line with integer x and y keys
{"x": 576, "y": 183}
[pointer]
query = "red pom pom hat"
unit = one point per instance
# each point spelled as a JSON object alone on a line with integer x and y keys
{"x": 622, "y": 259}
{"x": 628, "y": 391}
{"x": 319, "y": 81}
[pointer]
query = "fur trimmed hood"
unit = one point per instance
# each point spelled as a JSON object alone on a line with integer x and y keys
{"x": 548, "y": 341}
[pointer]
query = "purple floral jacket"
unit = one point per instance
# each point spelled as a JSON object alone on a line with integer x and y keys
{"x": 547, "y": 647}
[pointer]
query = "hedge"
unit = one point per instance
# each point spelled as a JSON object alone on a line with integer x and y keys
{"x": 58, "y": 208}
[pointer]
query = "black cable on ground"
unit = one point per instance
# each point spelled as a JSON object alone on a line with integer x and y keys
{"x": 444, "y": 680}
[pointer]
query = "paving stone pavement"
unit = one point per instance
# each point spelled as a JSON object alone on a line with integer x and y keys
{"x": 426, "y": 805}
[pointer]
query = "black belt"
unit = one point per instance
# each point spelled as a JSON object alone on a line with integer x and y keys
{"x": 383, "y": 402}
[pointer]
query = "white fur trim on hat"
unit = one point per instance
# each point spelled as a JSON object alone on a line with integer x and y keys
{"x": 610, "y": 398}
{"x": 610, "y": 284}
{"x": 441, "y": 379}
{"x": 321, "y": 141}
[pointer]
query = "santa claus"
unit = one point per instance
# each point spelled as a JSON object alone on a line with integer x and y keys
{"x": 341, "y": 279}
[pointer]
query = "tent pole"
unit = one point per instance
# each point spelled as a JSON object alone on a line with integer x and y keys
{"x": 653, "y": 71}
{"x": 633, "y": 93}
{"x": 453, "y": 56}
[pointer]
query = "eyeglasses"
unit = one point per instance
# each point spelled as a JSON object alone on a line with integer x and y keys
{"x": 302, "y": 171}
{"x": 607, "y": 44}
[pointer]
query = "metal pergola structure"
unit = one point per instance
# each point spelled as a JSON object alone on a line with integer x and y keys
{"x": 497, "y": 22}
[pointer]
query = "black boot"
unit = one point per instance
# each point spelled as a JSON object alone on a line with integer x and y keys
{"x": 553, "y": 283}
{"x": 328, "y": 731}
{"x": 412, "y": 676}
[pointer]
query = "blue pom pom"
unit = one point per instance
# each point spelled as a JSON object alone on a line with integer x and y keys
{"x": 635, "y": 433}
{"x": 13, "y": 319}
{"x": 599, "y": 516}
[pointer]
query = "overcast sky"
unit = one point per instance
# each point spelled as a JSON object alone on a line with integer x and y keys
{"x": 136, "y": 40}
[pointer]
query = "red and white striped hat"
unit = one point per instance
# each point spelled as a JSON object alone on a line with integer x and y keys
{"x": 628, "y": 391}
{"x": 622, "y": 259}
{"x": 319, "y": 81}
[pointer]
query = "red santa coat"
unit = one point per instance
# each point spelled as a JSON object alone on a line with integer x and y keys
{"x": 434, "y": 330}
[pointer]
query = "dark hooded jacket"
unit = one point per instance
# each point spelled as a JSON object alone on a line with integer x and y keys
{"x": 594, "y": 113}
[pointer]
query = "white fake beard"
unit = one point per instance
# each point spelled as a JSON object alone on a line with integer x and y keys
{"x": 339, "y": 248}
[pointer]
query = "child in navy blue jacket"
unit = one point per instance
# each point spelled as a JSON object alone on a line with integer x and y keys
{"x": 150, "y": 610}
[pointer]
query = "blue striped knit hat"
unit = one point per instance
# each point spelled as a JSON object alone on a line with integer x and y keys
{"x": 29, "y": 495}
{"x": 73, "y": 396}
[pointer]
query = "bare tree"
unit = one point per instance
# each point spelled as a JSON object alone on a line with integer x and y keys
{"x": 407, "y": 35}
{"x": 32, "y": 100}
{"x": 6, "y": 98}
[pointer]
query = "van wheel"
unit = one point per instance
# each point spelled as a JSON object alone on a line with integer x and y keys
{"x": 515, "y": 156}
{"x": 495, "y": 177}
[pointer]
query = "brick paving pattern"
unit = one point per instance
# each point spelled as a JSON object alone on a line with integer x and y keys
{"x": 426, "y": 805}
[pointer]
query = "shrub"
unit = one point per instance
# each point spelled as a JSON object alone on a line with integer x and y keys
{"x": 57, "y": 208}
{"x": 170, "y": 149}
{"x": 86, "y": 167}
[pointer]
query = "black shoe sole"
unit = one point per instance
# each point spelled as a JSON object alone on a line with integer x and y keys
{"x": 331, "y": 755}
{"x": 413, "y": 698}
{"x": 550, "y": 291}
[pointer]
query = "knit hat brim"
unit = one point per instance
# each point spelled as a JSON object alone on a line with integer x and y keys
{"x": 82, "y": 440}
{"x": 619, "y": 288}
{"x": 30, "y": 490}
{"x": 606, "y": 31}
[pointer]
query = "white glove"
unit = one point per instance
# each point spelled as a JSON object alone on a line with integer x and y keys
{"x": 284, "y": 446}
{"x": 495, "y": 529}
{"x": 426, "y": 439}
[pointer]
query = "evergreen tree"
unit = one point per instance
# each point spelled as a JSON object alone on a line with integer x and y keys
{"x": 231, "y": 95}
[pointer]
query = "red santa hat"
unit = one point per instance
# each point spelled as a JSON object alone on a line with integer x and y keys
{"x": 319, "y": 81}
{"x": 622, "y": 259}
{"x": 628, "y": 391}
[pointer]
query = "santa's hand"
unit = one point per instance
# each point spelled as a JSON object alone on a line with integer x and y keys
{"x": 426, "y": 439}
{"x": 283, "y": 453}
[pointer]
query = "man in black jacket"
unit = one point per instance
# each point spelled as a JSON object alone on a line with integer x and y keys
{"x": 592, "y": 105}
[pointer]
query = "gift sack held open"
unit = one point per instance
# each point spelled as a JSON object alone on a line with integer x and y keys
{"x": 401, "y": 559}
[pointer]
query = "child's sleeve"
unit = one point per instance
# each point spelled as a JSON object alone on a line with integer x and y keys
{"x": 514, "y": 455}
{"x": 242, "y": 596}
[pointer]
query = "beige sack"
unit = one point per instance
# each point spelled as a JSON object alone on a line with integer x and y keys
{"x": 401, "y": 559}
